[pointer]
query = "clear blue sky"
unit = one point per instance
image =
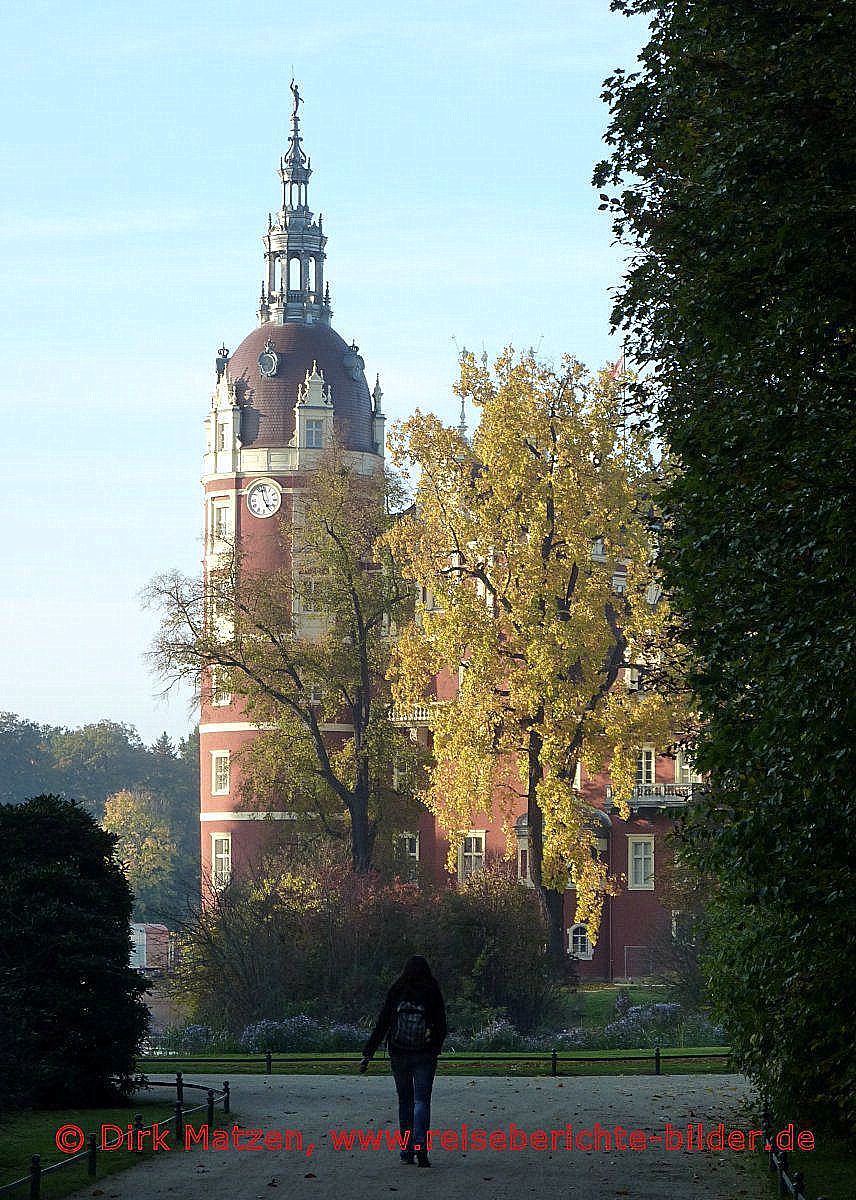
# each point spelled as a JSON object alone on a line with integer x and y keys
{"x": 452, "y": 146}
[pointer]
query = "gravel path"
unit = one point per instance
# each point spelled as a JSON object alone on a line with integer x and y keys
{"x": 317, "y": 1104}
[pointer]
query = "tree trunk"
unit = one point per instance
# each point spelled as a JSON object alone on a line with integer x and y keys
{"x": 362, "y": 836}
{"x": 552, "y": 902}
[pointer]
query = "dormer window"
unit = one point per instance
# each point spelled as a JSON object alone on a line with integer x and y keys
{"x": 314, "y": 434}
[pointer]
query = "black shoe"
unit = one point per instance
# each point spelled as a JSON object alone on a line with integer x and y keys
{"x": 422, "y": 1158}
{"x": 408, "y": 1157}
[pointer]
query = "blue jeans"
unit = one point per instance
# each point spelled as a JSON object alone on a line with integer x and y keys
{"x": 414, "y": 1078}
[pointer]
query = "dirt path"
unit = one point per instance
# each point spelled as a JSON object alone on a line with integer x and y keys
{"x": 317, "y": 1104}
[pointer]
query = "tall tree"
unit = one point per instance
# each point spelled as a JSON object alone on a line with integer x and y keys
{"x": 98, "y": 759}
{"x": 145, "y": 846}
{"x": 734, "y": 154}
{"x": 71, "y": 1011}
{"x": 305, "y": 645}
{"x": 537, "y": 548}
{"x": 26, "y": 763}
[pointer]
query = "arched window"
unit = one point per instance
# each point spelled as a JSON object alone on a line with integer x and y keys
{"x": 579, "y": 945}
{"x": 294, "y": 275}
{"x": 310, "y": 274}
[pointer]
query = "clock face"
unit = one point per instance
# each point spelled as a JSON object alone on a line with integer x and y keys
{"x": 263, "y": 499}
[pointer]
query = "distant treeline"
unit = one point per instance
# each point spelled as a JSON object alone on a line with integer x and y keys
{"x": 158, "y": 825}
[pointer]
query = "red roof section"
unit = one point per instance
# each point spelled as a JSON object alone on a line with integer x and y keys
{"x": 268, "y": 404}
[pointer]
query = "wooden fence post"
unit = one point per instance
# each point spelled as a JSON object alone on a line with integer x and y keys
{"x": 179, "y": 1087}
{"x": 91, "y": 1155}
{"x": 553, "y": 1064}
{"x": 179, "y": 1123}
{"x": 268, "y": 1062}
{"x": 226, "y": 1097}
{"x": 209, "y": 1113}
{"x": 656, "y": 1060}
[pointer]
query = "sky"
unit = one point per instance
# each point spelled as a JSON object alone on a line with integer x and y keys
{"x": 452, "y": 150}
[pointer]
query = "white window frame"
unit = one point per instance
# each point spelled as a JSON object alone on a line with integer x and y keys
{"x": 218, "y": 698}
{"x": 314, "y": 429}
{"x": 646, "y": 766}
{"x": 524, "y": 859}
{"x": 579, "y": 945}
{"x": 218, "y": 757}
{"x": 684, "y": 773}
{"x": 402, "y": 775}
{"x": 404, "y": 839}
{"x": 308, "y": 600}
{"x": 476, "y": 855}
{"x": 647, "y": 881}
{"x": 220, "y": 527}
{"x": 221, "y": 874}
{"x": 407, "y": 852}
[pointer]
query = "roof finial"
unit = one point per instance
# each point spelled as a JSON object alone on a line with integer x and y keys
{"x": 295, "y": 167}
{"x": 462, "y": 423}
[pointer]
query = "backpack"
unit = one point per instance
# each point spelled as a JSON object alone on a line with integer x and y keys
{"x": 410, "y": 1028}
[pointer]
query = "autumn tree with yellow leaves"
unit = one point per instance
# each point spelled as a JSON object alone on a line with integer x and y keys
{"x": 146, "y": 844}
{"x": 537, "y": 544}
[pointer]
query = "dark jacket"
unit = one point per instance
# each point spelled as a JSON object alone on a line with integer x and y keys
{"x": 422, "y": 992}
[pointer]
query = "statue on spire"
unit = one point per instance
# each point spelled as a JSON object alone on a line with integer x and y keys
{"x": 298, "y": 99}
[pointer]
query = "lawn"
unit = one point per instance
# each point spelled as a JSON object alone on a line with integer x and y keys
{"x": 595, "y": 1003}
{"x": 23, "y": 1134}
{"x": 829, "y": 1170}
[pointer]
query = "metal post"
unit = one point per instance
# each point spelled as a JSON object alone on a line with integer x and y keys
{"x": 35, "y": 1176}
{"x": 226, "y": 1096}
{"x": 92, "y": 1155}
{"x": 553, "y": 1064}
{"x": 210, "y": 1110}
{"x": 783, "y": 1170}
{"x": 179, "y": 1123}
{"x": 179, "y": 1087}
{"x": 138, "y": 1133}
{"x": 656, "y": 1060}
{"x": 268, "y": 1062}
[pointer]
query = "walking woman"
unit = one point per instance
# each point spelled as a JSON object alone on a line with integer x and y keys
{"x": 413, "y": 1021}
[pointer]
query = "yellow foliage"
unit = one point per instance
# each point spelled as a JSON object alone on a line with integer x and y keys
{"x": 503, "y": 535}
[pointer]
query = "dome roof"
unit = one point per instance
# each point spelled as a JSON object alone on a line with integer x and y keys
{"x": 267, "y": 404}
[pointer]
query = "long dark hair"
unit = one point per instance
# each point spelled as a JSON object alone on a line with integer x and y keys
{"x": 415, "y": 971}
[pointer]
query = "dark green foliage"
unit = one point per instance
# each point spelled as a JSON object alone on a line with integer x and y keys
{"x": 26, "y": 764}
{"x": 94, "y": 762}
{"x": 317, "y": 939}
{"x": 71, "y": 1013}
{"x": 732, "y": 181}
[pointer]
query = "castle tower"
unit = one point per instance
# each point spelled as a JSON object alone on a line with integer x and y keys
{"x": 278, "y": 400}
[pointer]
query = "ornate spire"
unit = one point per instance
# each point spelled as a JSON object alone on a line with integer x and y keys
{"x": 462, "y": 423}
{"x": 294, "y": 167}
{"x": 293, "y": 288}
